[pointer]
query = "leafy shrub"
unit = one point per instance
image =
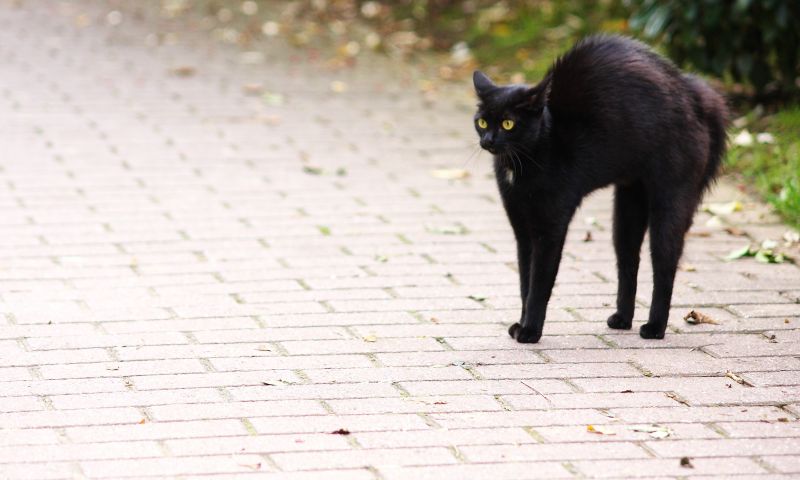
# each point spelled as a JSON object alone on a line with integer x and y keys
{"x": 753, "y": 41}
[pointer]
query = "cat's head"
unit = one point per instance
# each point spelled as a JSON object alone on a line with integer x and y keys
{"x": 509, "y": 116}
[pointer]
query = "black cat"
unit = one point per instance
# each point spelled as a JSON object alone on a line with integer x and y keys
{"x": 610, "y": 111}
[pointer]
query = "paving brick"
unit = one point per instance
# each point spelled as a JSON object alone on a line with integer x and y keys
{"x": 152, "y": 467}
{"x": 121, "y": 369}
{"x": 667, "y": 467}
{"x": 784, "y": 463}
{"x": 561, "y": 451}
{"x": 364, "y": 458}
{"x": 470, "y": 358}
{"x": 321, "y": 391}
{"x": 458, "y": 437}
{"x": 16, "y": 437}
{"x": 200, "y": 411}
{"x": 155, "y": 430}
{"x": 560, "y": 370}
{"x": 698, "y": 414}
{"x": 522, "y": 471}
{"x": 49, "y": 470}
{"x": 460, "y": 403}
{"x": 724, "y": 447}
{"x": 491, "y": 387}
{"x": 86, "y": 451}
{"x": 124, "y": 399}
{"x": 318, "y": 347}
{"x": 52, "y": 418}
{"x": 386, "y": 374}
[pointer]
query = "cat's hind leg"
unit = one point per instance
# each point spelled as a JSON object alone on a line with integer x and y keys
{"x": 670, "y": 219}
{"x": 630, "y": 223}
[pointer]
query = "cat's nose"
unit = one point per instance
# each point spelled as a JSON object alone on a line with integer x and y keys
{"x": 487, "y": 143}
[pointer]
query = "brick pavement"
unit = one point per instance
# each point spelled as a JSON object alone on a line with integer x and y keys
{"x": 181, "y": 298}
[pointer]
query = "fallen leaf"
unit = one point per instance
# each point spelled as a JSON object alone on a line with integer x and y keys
{"x": 765, "y": 138}
{"x": 184, "y": 71}
{"x": 142, "y": 421}
{"x": 626, "y": 391}
{"x": 326, "y": 231}
{"x": 450, "y": 173}
{"x": 312, "y": 170}
{"x": 714, "y": 222}
{"x": 370, "y": 338}
{"x": 600, "y": 429}
{"x": 267, "y": 384}
{"x": 252, "y": 88}
{"x": 588, "y": 236}
{"x": 743, "y": 139}
{"x": 655, "y": 431}
{"x": 736, "y": 232}
{"x": 446, "y": 229}
{"x": 381, "y": 258}
{"x": 477, "y": 298}
{"x": 724, "y": 208}
{"x": 686, "y": 463}
{"x": 790, "y": 238}
{"x": 271, "y": 98}
{"x": 735, "y": 378}
{"x": 341, "y": 431}
{"x": 740, "y": 252}
{"x": 263, "y": 348}
{"x": 694, "y": 317}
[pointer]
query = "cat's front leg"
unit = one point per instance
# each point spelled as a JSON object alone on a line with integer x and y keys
{"x": 547, "y": 249}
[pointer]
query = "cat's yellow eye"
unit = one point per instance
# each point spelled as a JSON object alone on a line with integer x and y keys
{"x": 482, "y": 123}
{"x": 508, "y": 124}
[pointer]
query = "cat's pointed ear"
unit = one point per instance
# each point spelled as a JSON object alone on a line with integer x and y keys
{"x": 483, "y": 84}
{"x": 535, "y": 98}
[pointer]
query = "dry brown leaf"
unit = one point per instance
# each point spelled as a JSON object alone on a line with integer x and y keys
{"x": 253, "y": 88}
{"x": 735, "y": 378}
{"x": 370, "y": 338}
{"x": 184, "y": 71}
{"x": 694, "y": 317}
{"x": 736, "y": 232}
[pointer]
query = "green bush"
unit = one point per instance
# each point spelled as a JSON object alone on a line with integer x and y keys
{"x": 751, "y": 41}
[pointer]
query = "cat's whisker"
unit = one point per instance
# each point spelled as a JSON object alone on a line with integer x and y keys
{"x": 530, "y": 158}
{"x": 515, "y": 156}
{"x": 475, "y": 151}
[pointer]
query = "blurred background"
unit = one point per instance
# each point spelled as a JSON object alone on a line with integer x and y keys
{"x": 747, "y": 48}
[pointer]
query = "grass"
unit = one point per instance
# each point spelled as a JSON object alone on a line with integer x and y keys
{"x": 773, "y": 169}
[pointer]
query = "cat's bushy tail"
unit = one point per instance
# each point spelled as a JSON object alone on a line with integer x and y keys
{"x": 713, "y": 111}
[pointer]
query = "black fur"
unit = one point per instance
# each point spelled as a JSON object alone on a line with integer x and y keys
{"x": 610, "y": 111}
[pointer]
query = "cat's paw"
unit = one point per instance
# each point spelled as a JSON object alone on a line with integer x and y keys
{"x": 650, "y": 331}
{"x": 524, "y": 335}
{"x": 616, "y": 321}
